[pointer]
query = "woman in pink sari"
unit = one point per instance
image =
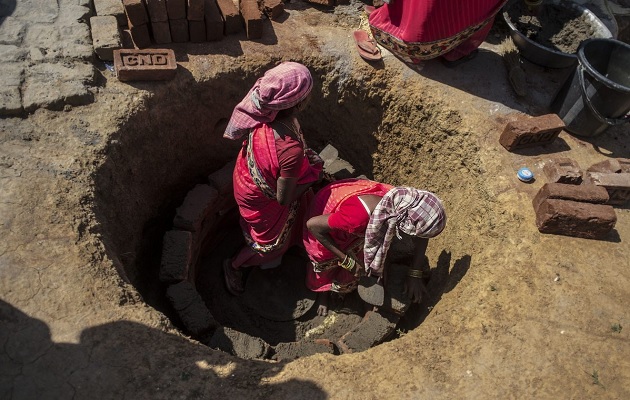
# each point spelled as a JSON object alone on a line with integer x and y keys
{"x": 350, "y": 227}
{"x": 274, "y": 168}
{"x": 416, "y": 30}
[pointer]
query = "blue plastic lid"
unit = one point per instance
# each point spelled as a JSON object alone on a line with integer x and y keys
{"x": 525, "y": 174}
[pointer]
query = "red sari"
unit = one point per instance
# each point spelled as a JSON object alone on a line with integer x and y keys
{"x": 324, "y": 274}
{"x": 417, "y": 30}
{"x": 267, "y": 225}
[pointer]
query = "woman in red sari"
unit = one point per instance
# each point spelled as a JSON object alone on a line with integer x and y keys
{"x": 416, "y": 30}
{"x": 274, "y": 168}
{"x": 350, "y": 227}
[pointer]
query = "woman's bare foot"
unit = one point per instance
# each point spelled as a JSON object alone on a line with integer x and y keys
{"x": 233, "y": 278}
{"x": 322, "y": 300}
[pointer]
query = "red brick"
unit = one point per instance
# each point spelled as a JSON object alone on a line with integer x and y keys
{"x": 197, "y": 205}
{"x": 140, "y": 35}
{"x": 148, "y": 64}
{"x": 252, "y": 18}
{"x": 195, "y": 10}
{"x": 179, "y": 30}
{"x": 372, "y": 330}
{"x": 136, "y": 11}
{"x": 617, "y": 185}
{"x": 157, "y": 10}
{"x": 191, "y": 309}
{"x": 273, "y": 8}
{"x": 214, "y": 21}
{"x": 177, "y": 256}
{"x": 231, "y": 17}
{"x": 197, "y": 31}
{"x": 161, "y": 32}
{"x": 563, "y": 170}
{"x": 612, "y": 165}
{"x": 176, "y": 9}
{"x": 528, "y": 132}
{"x": 572, "y": 218}
{"x": 562, "y": 191}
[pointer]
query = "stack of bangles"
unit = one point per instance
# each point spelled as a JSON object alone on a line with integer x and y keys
{"x": 416, "y": 273}
{"x": 348, "y": 263}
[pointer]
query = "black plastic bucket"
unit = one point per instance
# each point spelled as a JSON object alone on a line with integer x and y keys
{"x": 597, "y": 94}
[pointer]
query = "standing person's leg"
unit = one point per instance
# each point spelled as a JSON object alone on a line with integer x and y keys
{"x": 468, "y": 47}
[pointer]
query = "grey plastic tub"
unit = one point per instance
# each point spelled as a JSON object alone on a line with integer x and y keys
{"x": 545, "y": 56}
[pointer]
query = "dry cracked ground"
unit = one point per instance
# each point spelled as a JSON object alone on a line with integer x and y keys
{"x": 512, "y": 313}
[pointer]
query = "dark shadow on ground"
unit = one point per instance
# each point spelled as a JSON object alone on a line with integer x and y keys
{"x": 6, "y": 9}
{"x": 442, "y": 281}
{"x": 128, "y": 360}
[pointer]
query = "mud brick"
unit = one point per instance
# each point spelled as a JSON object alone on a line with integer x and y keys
{"x": 563, "y": 170}
{"x": 293, "y": 350}
{"x": 395, "y": 300}
{"x": 111, "y": 7}
{"x": 140, "y": 35}
{"x": 329, "y": 3}
{"x": 572, "y": 218}
{"x": 252, "y": 17}
{"x": 176, "y": 9}
{"x": 562, "y": 191}
{"x": 612, "y": 165}
{"x": 136, "y": 11}
{"x": 273, "y": 8}
{"x": 239, "y": 344}
{"x": 231, "y": 16}
{"x": 157, "y": 10}
{"x": 528, "y": 132}
{"x": 179, "y": 30}
{"x": 176, "y": 256}
{"x": 617, "y": 185}
{"x": 148, "y": 64}
{"x": 191, "y": 309}
{"x": 222, "y": 179}
{"x": 373, "y": 329}
{"x": 105, "y": 36}
{"x": 197, "y": 31}
{"x": 340, "y": 169}
{"x": 197, "y": 205}
{"x": 195, "y": 10}
{"x": 161, "y": 32}
{"x": 214, "y": 22}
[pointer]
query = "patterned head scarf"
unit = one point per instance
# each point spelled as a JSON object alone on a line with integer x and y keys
{"x": 412, "y": 211}
{"x": 281, "y": 87}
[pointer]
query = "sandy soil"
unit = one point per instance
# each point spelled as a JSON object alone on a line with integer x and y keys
{"x": 87, "y": 195}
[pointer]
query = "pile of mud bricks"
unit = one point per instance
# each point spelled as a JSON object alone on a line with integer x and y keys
{"x": 141, "y": 23}
{"x": 572, "y": 202}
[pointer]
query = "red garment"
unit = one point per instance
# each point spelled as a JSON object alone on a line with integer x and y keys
{"x": 266, "y": 223}
{"x": 423, "y": 29}
{"x": 348, "y": 220}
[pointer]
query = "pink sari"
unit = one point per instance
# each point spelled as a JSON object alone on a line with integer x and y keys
{"x": 417, "y": 30}
{"x": 267, "y": 225}
{"x": 324, "y": 274}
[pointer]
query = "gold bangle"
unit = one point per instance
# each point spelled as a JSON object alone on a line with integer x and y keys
{"x": 414, "y": 273}
{"x": 348, "y": 263}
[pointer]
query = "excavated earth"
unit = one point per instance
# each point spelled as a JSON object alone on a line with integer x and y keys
{"x": 87, "y": 194}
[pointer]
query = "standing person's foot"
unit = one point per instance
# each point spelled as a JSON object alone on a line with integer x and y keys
{"x": 233, "y": 278}
{"x": 322, "y": 303}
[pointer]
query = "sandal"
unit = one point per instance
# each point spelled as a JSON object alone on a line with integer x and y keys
{"x": 233, "y": 278}
{"x": 366, "y": 46}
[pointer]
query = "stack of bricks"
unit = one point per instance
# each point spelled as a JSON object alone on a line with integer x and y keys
{"x": 159, "y": 21}
{"x": 574, "y": 210}
{"x": 614, "y": 176}
{"x": 137, "y": 20}
{"x": 196, "y": 25}
{"x": 252, "y": 18}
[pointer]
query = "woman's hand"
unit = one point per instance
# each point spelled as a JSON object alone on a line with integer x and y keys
{"x": 414, "y": 288}
{"x": 313, "y": 157}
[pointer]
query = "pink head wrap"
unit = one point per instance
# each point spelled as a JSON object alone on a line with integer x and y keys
{"x": 279, "y": 88}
